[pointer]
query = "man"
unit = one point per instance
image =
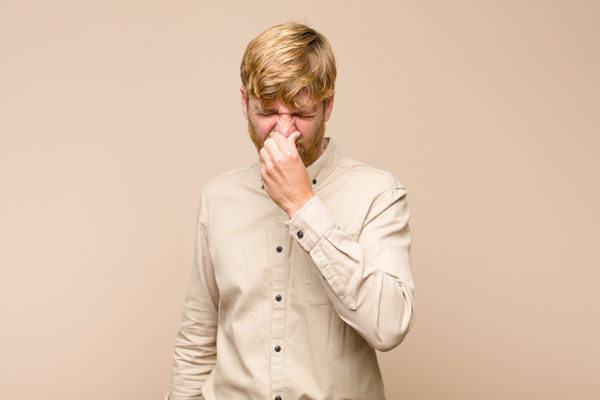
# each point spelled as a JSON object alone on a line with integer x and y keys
{"x": 302, "y": 262}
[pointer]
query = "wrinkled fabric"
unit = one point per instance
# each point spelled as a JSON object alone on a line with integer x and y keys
{"x": 296, "y": 307}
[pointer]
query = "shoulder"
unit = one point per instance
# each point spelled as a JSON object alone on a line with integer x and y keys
{"x": 233, "y": 183}
{"x": 232, "y": 177}
{"x": 366, "y": 175}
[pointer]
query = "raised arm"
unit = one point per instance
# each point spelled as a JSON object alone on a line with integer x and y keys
{"x": 369, "y": 281}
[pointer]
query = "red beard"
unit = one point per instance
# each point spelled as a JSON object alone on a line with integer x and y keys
{"x": 309, "y": 150}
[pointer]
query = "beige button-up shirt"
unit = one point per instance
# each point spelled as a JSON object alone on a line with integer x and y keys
{"x": 294, "y": 309}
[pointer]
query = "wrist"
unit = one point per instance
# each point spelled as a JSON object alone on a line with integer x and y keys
{"x": 297, "y": 205}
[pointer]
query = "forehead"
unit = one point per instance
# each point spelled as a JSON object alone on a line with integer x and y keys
{"x": 306, "y": 105}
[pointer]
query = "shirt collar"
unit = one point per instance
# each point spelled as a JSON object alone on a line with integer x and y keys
{"x": 320, "y": 169}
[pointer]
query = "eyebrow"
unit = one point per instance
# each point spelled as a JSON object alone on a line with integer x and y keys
{"x": 312, "y": 110}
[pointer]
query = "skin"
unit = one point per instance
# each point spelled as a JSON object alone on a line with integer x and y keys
{"x": 278, "y": 134}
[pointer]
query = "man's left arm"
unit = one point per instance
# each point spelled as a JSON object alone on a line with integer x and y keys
{"x": 369, "y": 281}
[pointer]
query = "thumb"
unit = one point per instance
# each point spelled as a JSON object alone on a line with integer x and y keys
{"x": 292, "y": 138}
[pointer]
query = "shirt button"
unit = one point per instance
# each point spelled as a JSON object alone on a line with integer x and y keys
{"x": 279, "y": 249}
{"x": 278, "y": 298}
{"x": 300, "y": 235}
{"x": 277, "y": 349}
{"x": 278, "y": 398}
{"x": 314, "y": 181}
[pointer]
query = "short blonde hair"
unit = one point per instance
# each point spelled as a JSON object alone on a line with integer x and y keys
{"x": 287, "y": 62}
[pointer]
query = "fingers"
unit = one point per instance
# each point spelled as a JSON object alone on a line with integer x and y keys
{"x": 271, "y": 147}
{"x": 293, "y": 137}
{"x": 276, "y": 147}
{"x": 270, "y": 152}
{"x": 284, "y": 143}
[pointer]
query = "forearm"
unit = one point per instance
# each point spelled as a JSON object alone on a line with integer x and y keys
{"x": 193, "y": 360}
{"x": 376, "y": 304}
{"x": 368, "y": 281}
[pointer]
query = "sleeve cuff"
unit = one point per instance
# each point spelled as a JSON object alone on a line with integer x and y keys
{"x": 311, "y": 223}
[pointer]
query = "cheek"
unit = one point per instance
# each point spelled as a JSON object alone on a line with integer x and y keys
{"x": 263, "y": 126}
{"x": 308, "y": 127}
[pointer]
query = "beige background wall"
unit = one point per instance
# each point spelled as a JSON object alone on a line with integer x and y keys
{"x": 113, "y": 114}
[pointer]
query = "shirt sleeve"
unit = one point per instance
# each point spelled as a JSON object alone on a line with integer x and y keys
{"x": 369, "y": 281}
{"x": 195, "y": 347}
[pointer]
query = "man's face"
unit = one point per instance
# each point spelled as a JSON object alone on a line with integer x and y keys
{"x": 309, "y": 120}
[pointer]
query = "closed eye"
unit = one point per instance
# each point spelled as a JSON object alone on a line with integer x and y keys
{"x": 269, "y": 114}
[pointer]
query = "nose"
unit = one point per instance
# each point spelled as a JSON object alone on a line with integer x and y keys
{"x": 286, "y": 124}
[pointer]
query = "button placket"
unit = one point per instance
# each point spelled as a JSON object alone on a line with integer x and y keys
{"x": 280, "y": 235}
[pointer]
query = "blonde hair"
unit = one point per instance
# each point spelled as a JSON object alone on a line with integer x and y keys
{"x": 287, "y": 62}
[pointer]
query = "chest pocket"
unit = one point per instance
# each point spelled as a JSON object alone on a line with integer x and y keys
{"x": 313, "y": 285}
{"x": 313, "y": 281}
{"x": 306, "y": 278}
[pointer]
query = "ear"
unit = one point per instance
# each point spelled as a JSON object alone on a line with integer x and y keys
{"x": 244, "y": 102}
{"x": 329, "y": 107}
